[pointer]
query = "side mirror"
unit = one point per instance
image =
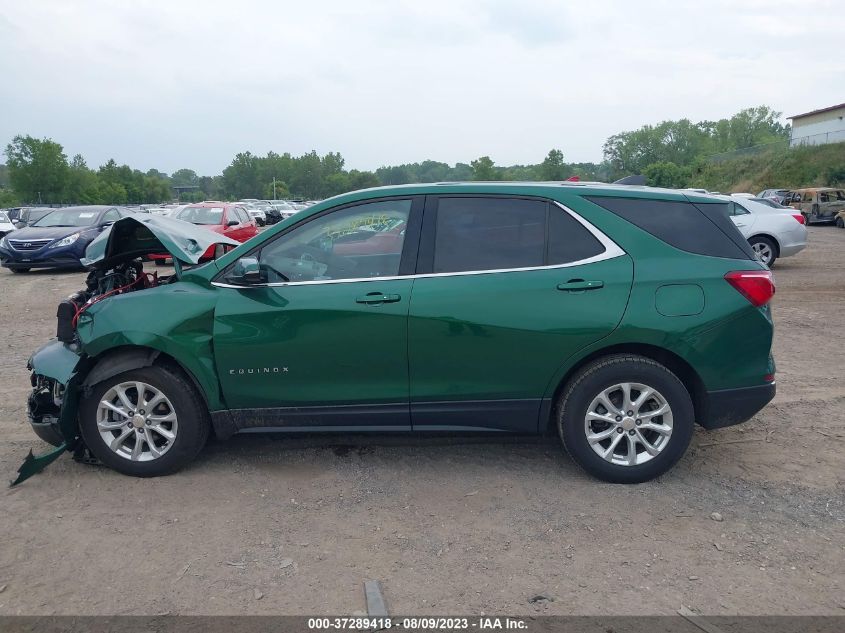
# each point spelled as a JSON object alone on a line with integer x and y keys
{"x": 232, "y": 223}
{"x": 247, "y": 272}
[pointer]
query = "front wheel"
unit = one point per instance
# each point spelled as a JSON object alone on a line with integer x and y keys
{"x": 625, "y": 419}
{"x": 765, "y": 249}
{"x": 144, "y": 422}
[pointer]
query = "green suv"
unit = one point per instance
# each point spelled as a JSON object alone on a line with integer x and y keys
{"x": 614, "y": 316}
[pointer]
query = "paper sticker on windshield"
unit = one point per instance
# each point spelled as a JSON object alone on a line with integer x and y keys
{"x": 87, "y": 215}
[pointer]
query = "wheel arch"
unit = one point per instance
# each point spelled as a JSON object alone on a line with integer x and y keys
{"x": 674, "y": 363}
{"x": 128, "y": 357}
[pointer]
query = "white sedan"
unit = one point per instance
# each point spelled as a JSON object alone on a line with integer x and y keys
{"x": 772, "y": 233}
{"x": 6, "y": 225}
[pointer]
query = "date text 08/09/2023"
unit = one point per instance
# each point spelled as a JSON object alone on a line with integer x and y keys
{"x": 418, "y": 623}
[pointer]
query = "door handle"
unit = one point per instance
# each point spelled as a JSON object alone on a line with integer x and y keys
{"x": 576, "y": 285}
{"x": 375, "y": 298}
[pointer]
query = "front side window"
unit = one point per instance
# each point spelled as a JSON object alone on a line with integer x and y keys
{"x": 112, "y": 215}
{"x": 364, "y": 241}
{"x": 489, "y": 234}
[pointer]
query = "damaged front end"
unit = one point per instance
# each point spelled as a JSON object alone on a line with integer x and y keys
{"x": 60, "y": 367}
{"x": 52, "y": 405}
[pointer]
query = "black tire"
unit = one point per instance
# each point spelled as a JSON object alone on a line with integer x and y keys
{"x": 603, "y": 374}
{"x": 193, "y": 422}
{"x": 160, "y": 262}
{"x": 20, "y": 270}
{"x": 762, "y": 240}
{"x": 840, "y": 223}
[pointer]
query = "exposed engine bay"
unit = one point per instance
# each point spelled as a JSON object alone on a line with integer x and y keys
{"x": 100, "y": 284}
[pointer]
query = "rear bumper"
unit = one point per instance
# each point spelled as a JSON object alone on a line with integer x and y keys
{"x": 727, "y": 407}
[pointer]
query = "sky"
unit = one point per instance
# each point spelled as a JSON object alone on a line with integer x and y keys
{"x": 189, "y": 83}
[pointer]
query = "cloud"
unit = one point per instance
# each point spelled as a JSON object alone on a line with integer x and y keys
{"x": 188, "y": 84}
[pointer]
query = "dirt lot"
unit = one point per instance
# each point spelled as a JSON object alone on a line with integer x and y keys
{"x": 274, "y": 525}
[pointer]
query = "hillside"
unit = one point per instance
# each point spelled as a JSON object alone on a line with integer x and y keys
{"x": 821, "y": 165}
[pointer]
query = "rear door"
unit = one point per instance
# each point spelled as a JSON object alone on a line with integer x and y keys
{"x": 742, "y": 219}
{"x": 510, "y": 288}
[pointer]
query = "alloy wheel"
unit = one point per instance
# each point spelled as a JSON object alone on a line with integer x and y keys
{"x": 763, "y": 251}
{"x": 628, "y": 424}
{"x": 137, "y": 421}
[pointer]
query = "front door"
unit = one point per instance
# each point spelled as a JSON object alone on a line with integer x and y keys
{"x": 323, "y": 343}
{"x": 516, "y": 286}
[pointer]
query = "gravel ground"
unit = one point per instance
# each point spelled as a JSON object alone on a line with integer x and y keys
{"x": 275, "y": 525}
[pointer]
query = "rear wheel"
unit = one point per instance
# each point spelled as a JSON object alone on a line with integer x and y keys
{"x": 625, "y": 419}
{"x": 144, "y": 422}
{"x": 765, "y": 249}
{"x": 840, "y": 223}
{"x": 20, "y": 270}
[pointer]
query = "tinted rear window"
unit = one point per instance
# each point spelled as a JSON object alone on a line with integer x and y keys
{"x": 705, "y": 229}
{"x": 569, "y": 240}
{"x": 489, "y": 234}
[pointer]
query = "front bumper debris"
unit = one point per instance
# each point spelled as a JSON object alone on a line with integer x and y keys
{"x": 53, "y": 405}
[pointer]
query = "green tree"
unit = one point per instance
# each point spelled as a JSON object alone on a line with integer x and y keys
{"x": 83, "y": 185}
{"x": 666, "y": 174}
{"x": 38, "y": 168}
{"x": 280, "y": 193}
{"x": 362, "y": 180}
{"x": 307, "y": 179}
{"x": 241, "y": 177}
{"x": 482, "y": 169}
{"x": 8, "y": 198}
{"x": 553, "y": 167}
{"x": 185, "y": 178}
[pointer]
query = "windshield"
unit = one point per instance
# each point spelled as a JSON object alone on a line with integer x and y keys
{"x": 201, "y": 215}
{"x": 68, "y": 217}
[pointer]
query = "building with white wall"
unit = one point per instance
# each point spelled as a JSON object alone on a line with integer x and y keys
{"x": 818, "y": 127}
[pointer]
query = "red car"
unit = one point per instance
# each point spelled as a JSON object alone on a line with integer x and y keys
{"x": 228, "y": 219}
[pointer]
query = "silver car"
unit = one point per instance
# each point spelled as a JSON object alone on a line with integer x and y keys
{"x": 771, "y": 232}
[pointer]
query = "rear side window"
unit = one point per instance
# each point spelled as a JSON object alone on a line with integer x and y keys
{"x": 569, "y": 240}
{"x": 704, "y": 229}
{"x": 489, "y": 234}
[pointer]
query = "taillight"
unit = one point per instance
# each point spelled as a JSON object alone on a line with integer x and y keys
{"x": 755, "y": 285}
{"x": 799, "y": 217}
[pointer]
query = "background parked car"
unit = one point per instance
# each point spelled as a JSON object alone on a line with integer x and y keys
{"x": 820, "y": 204}
{"x": 58, "y": 239}
{"x": 230, "y": 220}
{"x": 30, "y": 215}
{"x": 772, "y": 233}
{"x": 6, "y": 225}
{"x": 258, "y": 214}
{"x": 778, "y": 195}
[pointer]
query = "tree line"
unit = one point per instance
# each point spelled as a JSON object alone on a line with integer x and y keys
{"x": 671, "y": 154}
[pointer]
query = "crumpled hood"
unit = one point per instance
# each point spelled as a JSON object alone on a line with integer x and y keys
{"x": 145, "y": 234}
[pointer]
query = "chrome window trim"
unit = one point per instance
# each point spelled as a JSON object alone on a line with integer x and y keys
{"x": 611, "y": 251}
